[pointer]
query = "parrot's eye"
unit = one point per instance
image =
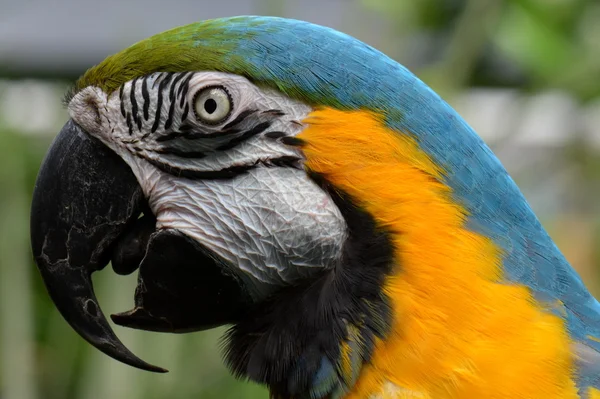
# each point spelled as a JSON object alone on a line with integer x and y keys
{"x": 212, "y": 105}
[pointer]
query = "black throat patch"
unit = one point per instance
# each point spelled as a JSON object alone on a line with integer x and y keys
{"x": 300, "y": 341}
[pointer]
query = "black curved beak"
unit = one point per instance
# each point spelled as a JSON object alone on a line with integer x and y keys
{"x": 85, "y": 213}
{"x": 85, "y": 197}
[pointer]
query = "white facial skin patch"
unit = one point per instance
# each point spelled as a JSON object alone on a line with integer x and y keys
{"x": 233, "y": 186}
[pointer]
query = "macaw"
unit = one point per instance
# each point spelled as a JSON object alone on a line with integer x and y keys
{"x": 295, "y": 183}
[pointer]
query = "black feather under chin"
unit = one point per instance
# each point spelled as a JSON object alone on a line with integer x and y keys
{"x": 285, "y": 341}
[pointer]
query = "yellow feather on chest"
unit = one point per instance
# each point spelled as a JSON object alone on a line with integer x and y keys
{"x": 458, "y": 330}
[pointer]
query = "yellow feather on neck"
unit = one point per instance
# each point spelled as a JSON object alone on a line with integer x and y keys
{"x": 458, "y": 330}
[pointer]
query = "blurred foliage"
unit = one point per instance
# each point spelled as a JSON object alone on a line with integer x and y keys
{"x": 532, "y": 44}
{"x": 529, "y": 45}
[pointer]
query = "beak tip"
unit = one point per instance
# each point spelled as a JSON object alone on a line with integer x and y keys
{"x": 157, "y": 369}
{"x": 119, "y": 352}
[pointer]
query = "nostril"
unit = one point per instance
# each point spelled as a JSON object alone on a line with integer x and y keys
{"x": 131, "y": 247}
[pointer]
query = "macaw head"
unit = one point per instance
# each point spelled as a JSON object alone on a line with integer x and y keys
{"x": 288, "y": 180}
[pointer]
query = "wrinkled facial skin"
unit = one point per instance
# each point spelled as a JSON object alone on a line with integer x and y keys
{"x": 230, "y": 215}
{"x": 271, "y": 226}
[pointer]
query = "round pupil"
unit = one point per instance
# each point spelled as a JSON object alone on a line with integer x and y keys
{"x": 210, "y": 105}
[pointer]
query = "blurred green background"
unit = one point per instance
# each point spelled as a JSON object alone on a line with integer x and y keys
{"x": 524, "y": 73}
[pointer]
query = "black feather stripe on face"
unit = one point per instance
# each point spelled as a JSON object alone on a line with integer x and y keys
{"x": 261, "y": 127}
{"x": 157, "y": 114}
{"x": 292, "y": 342}
{"x": 226, "y": 173}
